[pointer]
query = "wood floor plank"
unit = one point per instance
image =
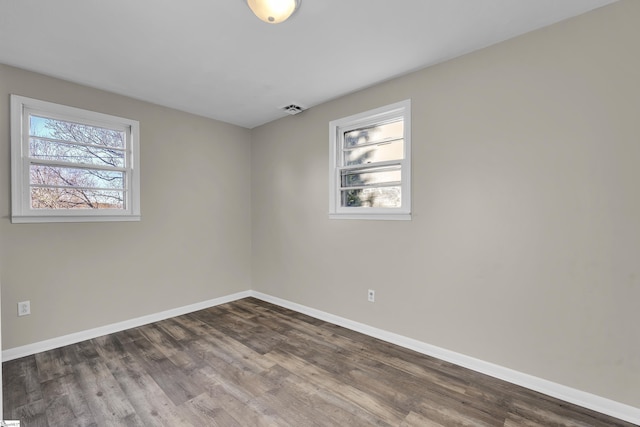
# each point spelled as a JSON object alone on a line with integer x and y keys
{"x": 65, "y": 403}
{"x": 128, "y": 335}
{"x": 32, "y": 414}
{"x": 176, "y": 331}
{"x": 209, "y": 412}
{"x": 20, "y": 383}
{"x": 242, "y": 384}
{"x": 555, "y": 414}
{"x": 251, "y": 363}
{"x": 79, "y": 352}
{"x": 320, "y": 406}
{"x": 216, "y": 344}
{"x": 449, "y": 412}
{"x": 313, "y": 374}
{"x": 150, "y": 402}
{"x": 172, "y": 349}
{"x": 109, "y": 347}
{"x": 254, "y": 336}
{"x": 246, "y": 412}
{"x": 417, "y": 420}
{"x": 109, "y": 405}
{"x": 53, "y": 364}
{"x": 176, "y": 384}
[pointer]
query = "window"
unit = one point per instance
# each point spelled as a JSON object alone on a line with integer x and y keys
{"x": 370, "y": 164}
{"x": 72, "y": 165}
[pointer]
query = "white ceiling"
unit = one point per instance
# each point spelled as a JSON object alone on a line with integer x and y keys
{"x": 216, "y": 59}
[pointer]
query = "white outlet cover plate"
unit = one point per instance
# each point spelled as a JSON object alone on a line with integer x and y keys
{"x": 24, "y": 308}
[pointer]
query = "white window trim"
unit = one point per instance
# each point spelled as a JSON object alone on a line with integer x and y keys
{"x": 21, "y": 211}
{"x": 367, "y": 118}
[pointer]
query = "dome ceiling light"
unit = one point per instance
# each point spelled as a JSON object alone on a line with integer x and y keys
{"x": 273, "y": 11}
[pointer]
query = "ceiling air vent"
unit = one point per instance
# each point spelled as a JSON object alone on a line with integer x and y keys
{"x": 293, "y": 109}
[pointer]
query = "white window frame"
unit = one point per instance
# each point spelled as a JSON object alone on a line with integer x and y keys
{"x": 337, "y": 128}
{"x": 21, "y": 211}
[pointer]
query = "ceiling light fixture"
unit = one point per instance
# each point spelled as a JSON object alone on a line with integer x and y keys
{"x": 273, "y": 11}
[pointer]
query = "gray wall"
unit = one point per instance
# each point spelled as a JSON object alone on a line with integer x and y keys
{"x": 524, "y": 246}
{"x": 192, "y": 245}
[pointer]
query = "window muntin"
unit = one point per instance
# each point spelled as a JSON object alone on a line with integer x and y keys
{"x": 370, "y": 164}
{"x": 72, "y": 165}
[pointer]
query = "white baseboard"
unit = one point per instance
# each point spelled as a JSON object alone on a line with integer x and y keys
{"x": 28, "y": 350}
{"x": 558, "y": 391}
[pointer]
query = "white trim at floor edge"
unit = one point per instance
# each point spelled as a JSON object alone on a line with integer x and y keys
{"x": 50, "y": 344}
{"x": 599, "y": 404}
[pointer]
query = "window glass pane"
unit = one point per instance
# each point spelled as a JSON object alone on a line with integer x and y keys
{"x": 379, "y": 133}
{"x": 371, "y": 176}
{"x": 375, "y": 153}
{"x": 375, "y": 197}
{"x": 75, "y": 132}
{"x": 76, "y": 177}
{"x": 75, "y": 198}
{"x": 46, "y": 149}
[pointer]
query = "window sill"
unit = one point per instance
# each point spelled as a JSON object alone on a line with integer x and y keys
{"x": 387, "y": 217}
{"x": 67, "y": 218}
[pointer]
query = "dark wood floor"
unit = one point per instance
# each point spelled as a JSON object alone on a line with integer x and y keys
{"x": 250, "y": 363}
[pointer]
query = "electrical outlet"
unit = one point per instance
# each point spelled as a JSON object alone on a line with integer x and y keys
{"x": 371, "y": 295}
{"x": 24, "y": 308}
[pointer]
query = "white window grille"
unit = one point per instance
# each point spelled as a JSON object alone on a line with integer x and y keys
{"x": 370, "y": 164}
{"x": 72, "y": 165}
